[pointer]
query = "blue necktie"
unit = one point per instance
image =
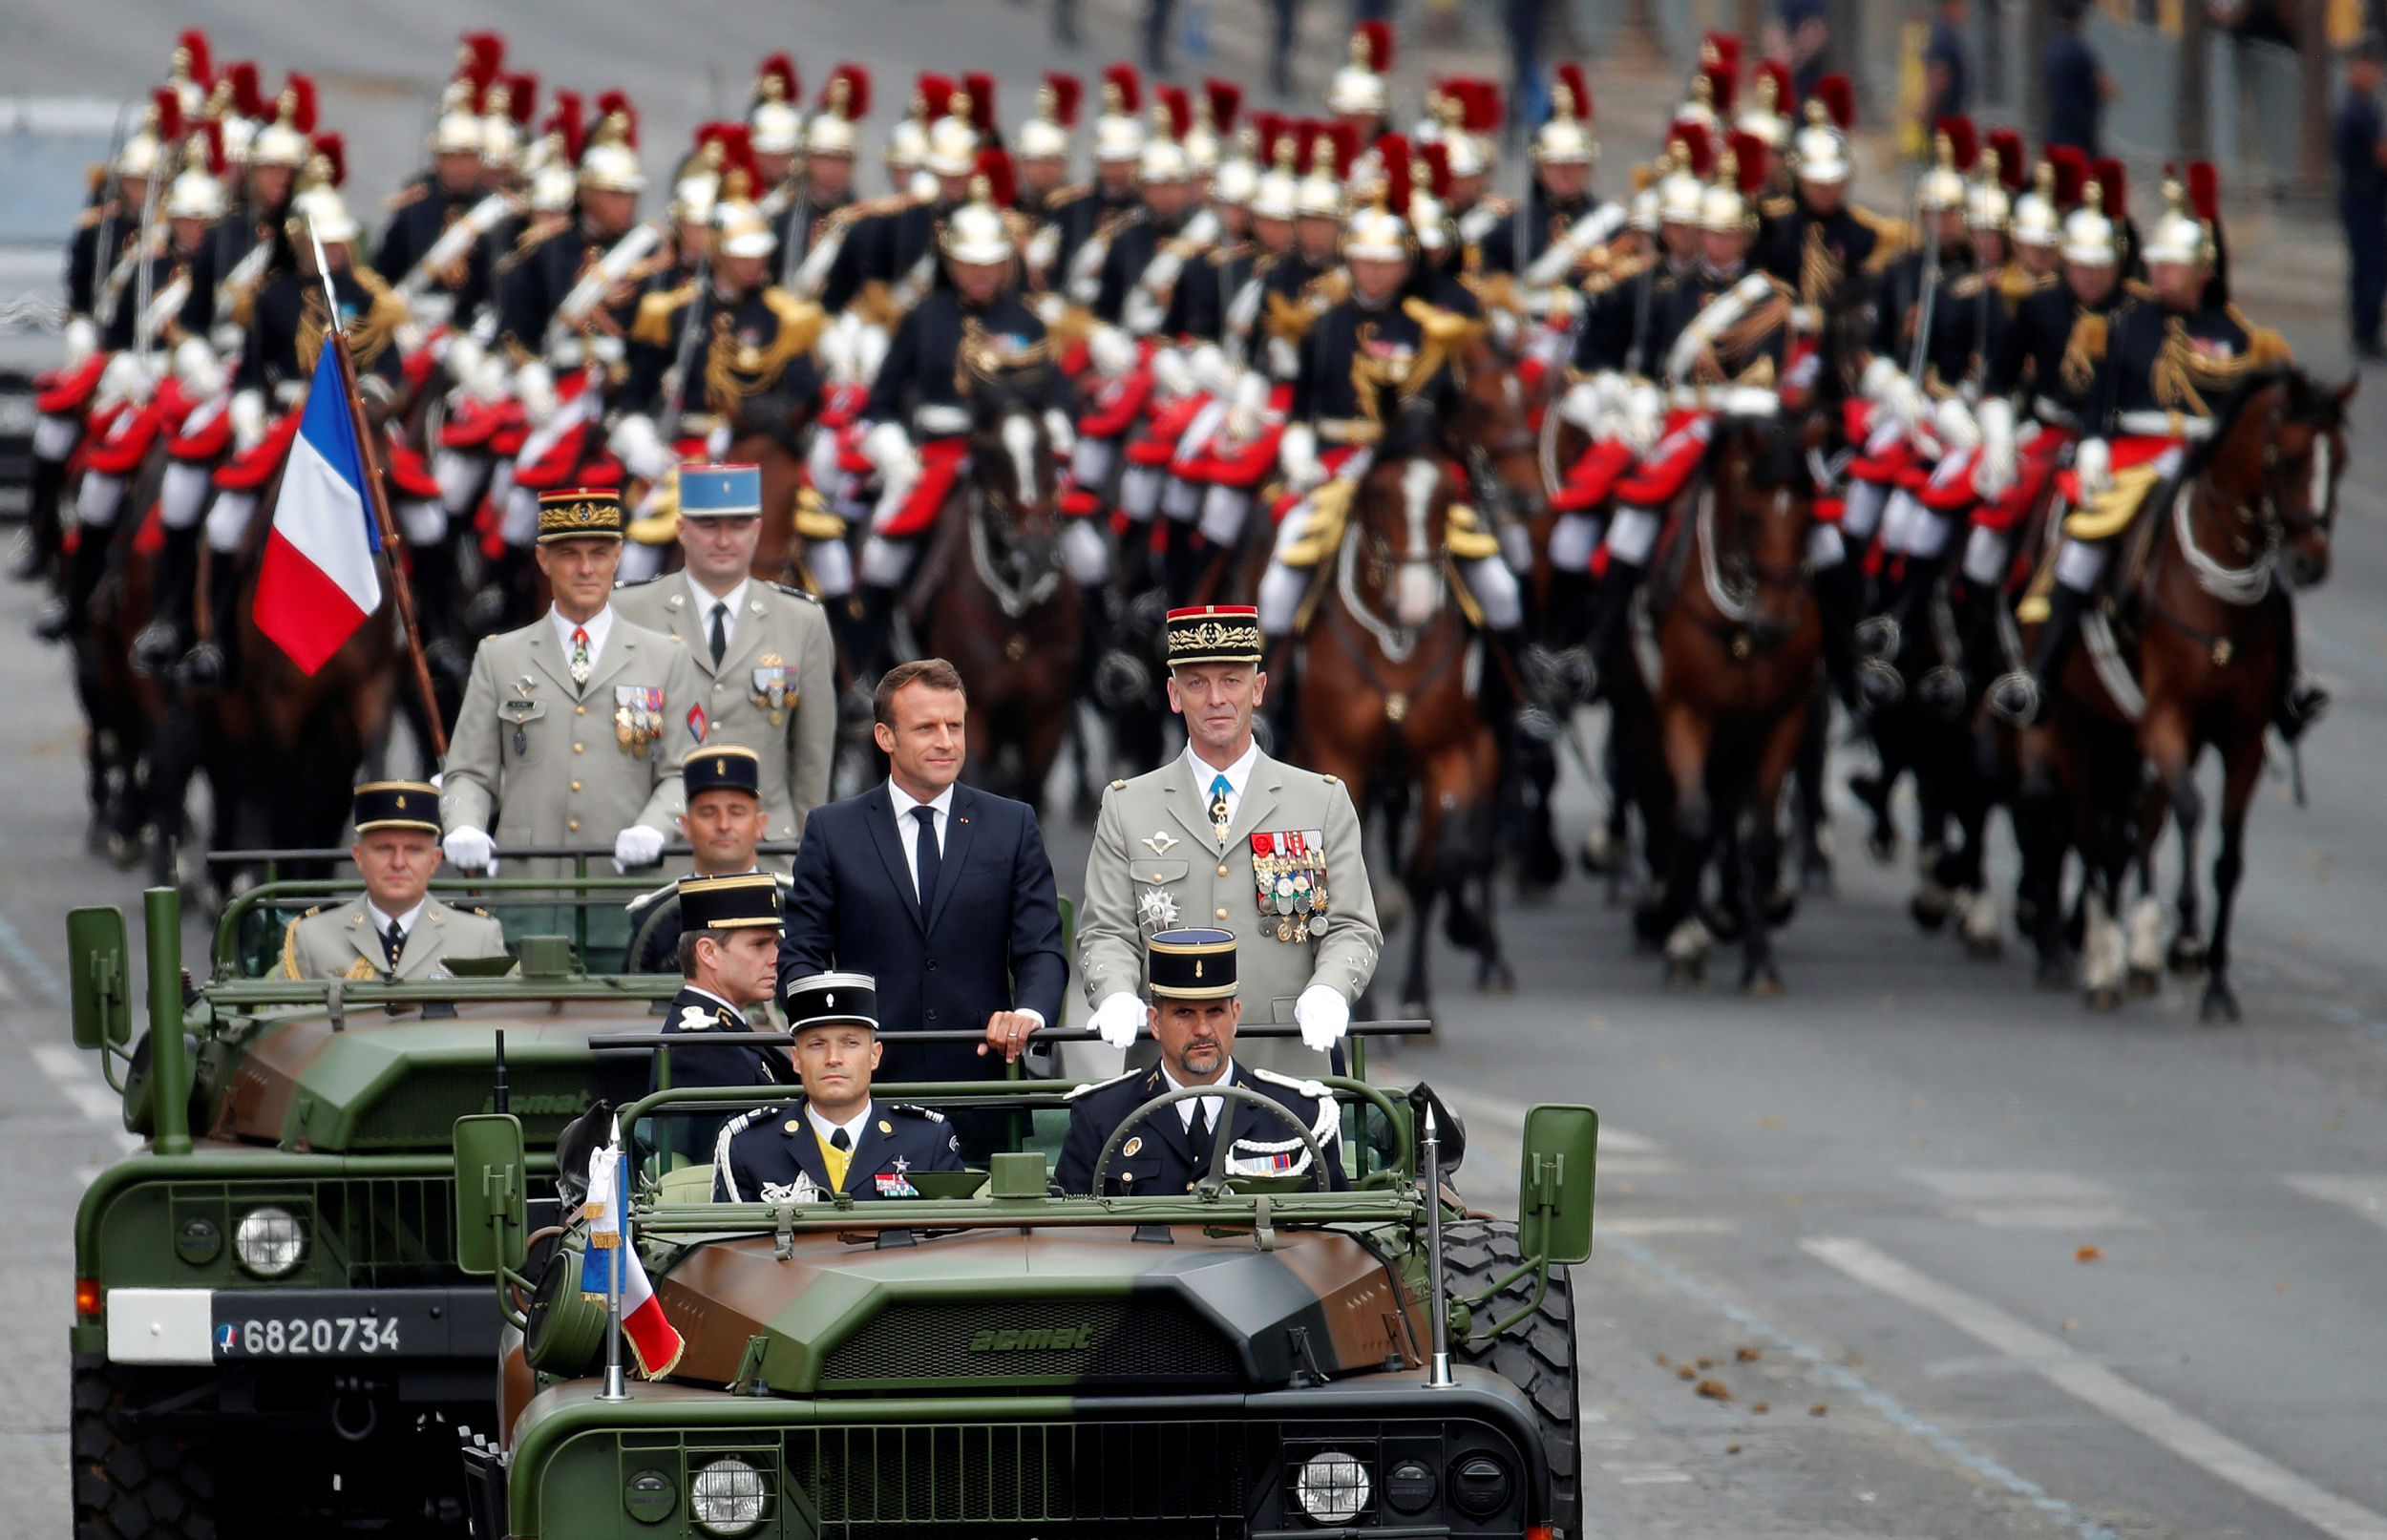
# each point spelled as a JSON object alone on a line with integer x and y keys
{"x": 925, "y": 856}
{"x": 1218, "y": 790}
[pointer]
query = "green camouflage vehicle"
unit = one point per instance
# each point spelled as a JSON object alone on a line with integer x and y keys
{"x": 1254, "y": 1359}
{"x": 271, "y": 1333}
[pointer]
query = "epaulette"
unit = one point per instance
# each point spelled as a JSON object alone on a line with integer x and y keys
{"x": 653, "y": 325}
{"x": 1968, "y": 285}
{"x": 2138, "y": 288}
{"x": 907, "y": 1108}
{"x": 93, "y": 215}
{"x": 1061, "y": 197}
{"x": 405, "y": 197}
{"x": 745, "y": 1120}
{"x": 805, "y": 319}
{"x": 2263, "y": 343}
{"x": 1099, "y": 1085}
{"x": 1307, "y": 1087}
{"x": 1330, "y": 780}
{"x": 796, "y": 593}
{"x": 1118, "y": 786}
{"x": 1777, "y": 206}
{"x": 637, "y": 905}
{"x": 1620, "y": 272}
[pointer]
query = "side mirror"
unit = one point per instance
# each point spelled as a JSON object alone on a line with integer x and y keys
{"x": 491, "y": 1199}
{"x": 1554, "y": 1183}
{"x": 100, "y": 984}
{"x": 1446, "y": 1127}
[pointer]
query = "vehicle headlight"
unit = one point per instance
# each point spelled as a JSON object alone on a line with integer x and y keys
{"x": 727, "y": 1497}
{"x": 270, "y": 1241}
{"x": 1331, "y": 1487}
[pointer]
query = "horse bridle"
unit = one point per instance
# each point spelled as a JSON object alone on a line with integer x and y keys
{"x": 1030, "y": 589}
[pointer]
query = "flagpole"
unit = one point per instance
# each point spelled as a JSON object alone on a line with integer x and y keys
{"x": 615, "y": 1389}
{"x": 377, "y": 498}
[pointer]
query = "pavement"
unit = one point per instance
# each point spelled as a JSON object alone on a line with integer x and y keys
{"x": 1965, "y": 1259}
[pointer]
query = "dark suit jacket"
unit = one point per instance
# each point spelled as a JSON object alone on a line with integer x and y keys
{"x": 773, "y": 1150}
{"x": 990, "y": 942}
{"x": 1162, "y": 1159}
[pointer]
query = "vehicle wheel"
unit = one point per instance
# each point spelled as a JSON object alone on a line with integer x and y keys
{"x": 1536, "y": 1354}
{"x": 128, "y": 1487}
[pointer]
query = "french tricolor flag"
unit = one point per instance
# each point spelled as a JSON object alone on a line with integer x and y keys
{"x": 318, "y": 583}
{"x": 653, "y": 1339}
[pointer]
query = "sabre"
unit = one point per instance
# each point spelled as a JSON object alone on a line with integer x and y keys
{"x": 145, "y": 274}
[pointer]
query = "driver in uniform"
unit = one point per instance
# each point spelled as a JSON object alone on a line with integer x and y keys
{"x": 1192, "y": 1016}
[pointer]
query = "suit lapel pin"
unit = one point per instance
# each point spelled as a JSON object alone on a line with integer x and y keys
{"x": 885, "y": 1127}
{"x": 793, "y": 1125}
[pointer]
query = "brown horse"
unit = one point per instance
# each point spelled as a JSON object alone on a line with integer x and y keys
{"x": 1388, "y": 672}
{"x": 1738, "y": 644}
{"x": 121, "y": 704}
{"x": 2254, "y": 503}
{"x": 995, "y": 598}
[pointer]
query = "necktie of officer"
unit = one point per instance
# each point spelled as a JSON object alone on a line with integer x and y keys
{"x": 1218, "y": 820}
{"x": 392, "y": 942}
{"x": 837, "y": 1156}
{"x": 1199, "y": 1129}
{"x": 721, "y": 631}
{"x": 582, "y": 668}
{"x": 926, "y": 858}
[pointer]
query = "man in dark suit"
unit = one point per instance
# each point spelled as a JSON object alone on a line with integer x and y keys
{"x": 1192, "y": 1016}
{"x": 940, "y": 892}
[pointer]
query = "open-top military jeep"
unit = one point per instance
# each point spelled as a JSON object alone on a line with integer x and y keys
{"x": 1257, "y": 1357}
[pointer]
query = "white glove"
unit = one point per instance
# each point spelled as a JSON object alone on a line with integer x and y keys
{"x": 2093, "y": 463}
{"x": 195, "y": 365}
{"x": 1644, "y": 416}
{"x": 82, "y": 340}
{"x": 472, "y": 849}
{"x": 1996, "y": 472}
{"x": 1873, "y": 385}
{"x": 1324, "y": 1016}
{"x": 1112, "y": 352}
{"x": 637, "y": 445}
{"x": 1119, "y": 1019}
{"x": 1954, "y": 423}
{"x": 535, "y": 387}
{"x": 1297, "y": 452}
{"x": 1062, "y": 431}
{"x": 636, "y": 846}
{"x": 1904, "y": 399}
{"x": 247, "y": 412}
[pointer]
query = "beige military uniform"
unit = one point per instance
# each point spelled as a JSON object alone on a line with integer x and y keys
{"x": 775, "y": 690}
{"x": 341, "y": 942}
{"x": 1157, "y": 865}
{"x": 555, "y": 764}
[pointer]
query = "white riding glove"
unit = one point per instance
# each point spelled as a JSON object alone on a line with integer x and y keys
{"x": 472, "y": 849}
{"x": 2093, "y": 466}
{"x": 636, "y": 846}
{"x": 1324, "y": 1016}
{"x": 1119, "y": 1019}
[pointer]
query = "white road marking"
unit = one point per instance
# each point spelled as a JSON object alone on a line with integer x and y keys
{"x": 72, "y": 1073}
{"x": 1659, "y": 1224}
{"x": 1510, "y": 1116}
{"x": 2078, "y": 1374}
{"x": 1826, "y": 1369}
{"x": 2365, "y": 1196}
{"x": 2027, "y": 1200}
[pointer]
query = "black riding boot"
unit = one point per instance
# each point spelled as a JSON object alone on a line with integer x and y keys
{"x": 1183, "y": 561}
{"x": 1862, "y": 683}
{"x": 2022, "y": 698}
{"x": 874, "y": 651}
{"x": 83, "y": 571}
{"x": 2302, "y": 702}
{"x": 42, "y": 526}
{"x": 172, "y": 580}
{"x": 1611, "y": 606}
{"x": 208, "y": 665}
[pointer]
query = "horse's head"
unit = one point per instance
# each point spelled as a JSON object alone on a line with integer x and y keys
{"x": 1402, "y": 519}
{"x": 2303, "y": 455}
{"x": 1491, "y": 423}
{"x": 1015, "y": 478}
{"x": 1765, "y": 510}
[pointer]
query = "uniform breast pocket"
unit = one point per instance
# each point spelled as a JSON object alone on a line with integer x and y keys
{"x": 517, "y": 730}
{"x": 1155, "y": 883}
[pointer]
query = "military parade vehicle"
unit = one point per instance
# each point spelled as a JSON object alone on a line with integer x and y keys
{"x": 1254, "y": 1358}
{"x": 271, "y": 1333}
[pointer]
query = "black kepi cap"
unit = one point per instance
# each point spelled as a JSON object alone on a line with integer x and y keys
{"x": 746, "y": 901}
{"x": 397, "y": 805}
{"x": 1190, "y": 964}
{"x": 722, "y": 767}
{"x": 832, "y": 1000}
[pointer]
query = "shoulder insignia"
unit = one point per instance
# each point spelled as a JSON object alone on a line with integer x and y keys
{"x": 93, "y": 215}
{"x": 745, "y": 1120}
{"x": 536, "y": 236}
{"x": 2138, "y": 288}
{"x": 405, "y": 197}
{"x": 1777, "y": 206}
{"x": 653, "y": 325}
{"x": 909, "y": 1110}
{"x": 1099, "y": 1084}
{"x": 2263, "y": 344}
{"x": 801, "y": 321}
{"x": 483, "y": 912}
{"x": 1115, "y": 786}
{"x": 1331, "y": 780}
{"x": 1307, "y": 1087}
{"x": 1068, "y": 194}
{"x": 796, "y": 593}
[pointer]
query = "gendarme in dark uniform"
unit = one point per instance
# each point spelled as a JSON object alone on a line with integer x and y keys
{"x": 720, "y": 906}
{"x": 792, "y": 1152}
{"x": 655, "y": 918}
{"x": 1171, "y": 1151}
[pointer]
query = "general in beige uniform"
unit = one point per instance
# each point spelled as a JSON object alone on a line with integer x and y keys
{"x": 774, "y": 688}
{"x": 393, "y": 929}
{"x": 1288, "y": 880}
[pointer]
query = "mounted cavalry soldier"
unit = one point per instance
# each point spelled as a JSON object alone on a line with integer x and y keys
{"x": 2164, "y": 363}
{"x": 1822, "y": 238}
{"x": 1192, "y": 1017}
{"x": 573, "y": 729}
{"x": 1084, "y": 213}
{"x": 396, "y": 929}
{"x": 1229, "y": 837}
{"x": 583, "y": 280}
{"x": 840, "y": 1142}
{"x": 766, "y": 666}
{"x": 413, "y": 254}
{"x": 808, "y": 209}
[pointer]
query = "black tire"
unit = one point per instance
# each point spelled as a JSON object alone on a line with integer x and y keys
{"x": 128, "y": 1487}
{"x": 1536, "y": 1354}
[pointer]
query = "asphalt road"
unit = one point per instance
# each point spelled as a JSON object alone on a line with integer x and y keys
{"x": 2007, "y": 1267}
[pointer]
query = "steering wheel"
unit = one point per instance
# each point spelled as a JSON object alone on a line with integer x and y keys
{"x": 1220, "y": 1142}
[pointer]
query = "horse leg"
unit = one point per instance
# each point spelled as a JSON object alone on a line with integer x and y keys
{"x": 1424, "y": 874}
{"x": 1674, "y": 925}
{"x": 1813, "y": 819}
{"x": 2039, "y": 820}
{"x": 2242, "y": 762}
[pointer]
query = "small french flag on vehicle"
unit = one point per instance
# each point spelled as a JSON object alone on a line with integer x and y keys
{"x": 653, "y": 1339}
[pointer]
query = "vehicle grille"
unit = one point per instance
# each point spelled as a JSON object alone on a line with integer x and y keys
{"x": 374, "y": 1232}
{"x": 1155, "y": 1338}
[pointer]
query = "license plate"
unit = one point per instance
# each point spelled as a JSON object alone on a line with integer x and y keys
{"x": 362, "y": 1323}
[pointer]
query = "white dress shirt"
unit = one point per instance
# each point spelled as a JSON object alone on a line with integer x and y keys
{"x": 598, "y": 626}
{"x": 908, "y": 828}
{"x": 380, "y": 923}
{"x": 1214, "y": 1108}
{"x": 1238, "y": 776}
{"x": 852, "y": 1126}
{"x": 705, "y": 600}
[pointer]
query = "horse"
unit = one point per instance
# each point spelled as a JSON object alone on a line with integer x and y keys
{"x": 2253, "y": 503}
{"x": 1737, "y": 652}
{"x": 1389, "y": 673}
{"x": 121, "y": 704}
{"x": 995, "y": 597}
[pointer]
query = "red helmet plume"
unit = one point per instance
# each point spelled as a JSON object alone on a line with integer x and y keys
{"x": 479, "y": 55}
{"x": 1721, "y": 51}
{"x": 2013, "y": 174}
{"x": 1376, "y": 36}
{"x": 1839, "y": 98}
{"x": 1345, "y": 139}
{"x": 166, "y": 107}
{"x": 856, "y": 78}
{"x": 1698, "y": 147}
{"x": 1785, "y": 90}
{"x": 1748, "y": 162}
{"x": 2113, "y": 185}
{"x": 1436, "y": 159}
{"x": 566, "y": 120}
{"x": 1123, "y": 79}
{"x": 335, "y": 149}
{"x": 246, "y": 99}
{"x": 741, "y": 175}
{"x": 617, "y": 103}
{"x": 982, "y": 89}
{"x": 202, "y": 59}
{"x": 1483, "y": 106}
{"x": 523, "y": 98}
{"x": 1067, "y": 92}
{"x": 2204, "y": 184}
{"x": 211, "y": 140}
{"x": 780, "y": 67}
{"x": 1392, "y": 153}
{"x": 1964, "y": 140}
{"x": 934, "y": 92}
{"x": 1178, "y": 106}
{"x": 1578, "y": 92}
{"x": 1002, "y": 184}
{"x": 1226, "y": 104}
{"x": 2072, "y": 173}
{"x": 298, "y": 93}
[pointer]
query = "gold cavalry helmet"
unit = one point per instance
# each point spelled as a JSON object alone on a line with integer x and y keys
{"x": 977, "y": 232}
